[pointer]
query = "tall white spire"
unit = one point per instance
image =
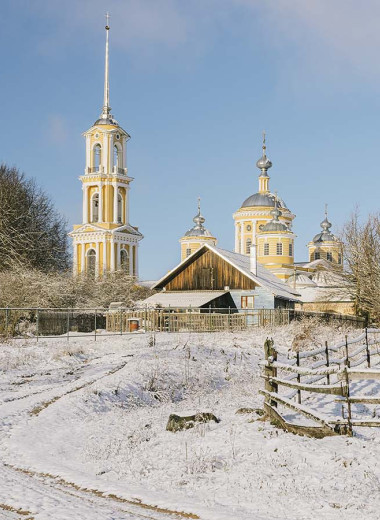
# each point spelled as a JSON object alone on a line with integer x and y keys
{"x": 106, "y": 105}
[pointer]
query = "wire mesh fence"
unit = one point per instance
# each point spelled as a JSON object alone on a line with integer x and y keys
{"x": 54, "y": 322}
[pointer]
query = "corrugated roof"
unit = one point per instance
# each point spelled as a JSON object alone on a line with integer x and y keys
{"x": 183, "y": 298}
{"x": 264, "y": 277}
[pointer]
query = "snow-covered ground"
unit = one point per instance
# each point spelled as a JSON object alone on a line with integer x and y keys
{"x": 82, "y": 420}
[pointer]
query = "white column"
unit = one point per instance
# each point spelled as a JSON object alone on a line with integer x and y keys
{"x": 136, "y": 260}
{"x": 131, "y": 260}
{"x": 100, "y": 209}
{"x": 88, "y": 153}
{"x": 105, "y": 153}
{"x": 118, "y": 256}
{"x": 115, "y": 194}
{"x": 236, "y": 237}
{"x": 75, "y": 259}
{"x": 112, "y": 263}
{"x": 85, "y": 203}
{"x": 83, "y": 258}
{"x": 242, "y": 238}
{"x": 104, "y": 255}
{"x": 127, "y": 204}
{"x": 97, "y": 245}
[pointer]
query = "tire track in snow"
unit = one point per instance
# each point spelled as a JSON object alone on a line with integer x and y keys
{"x": 51, "y": 492}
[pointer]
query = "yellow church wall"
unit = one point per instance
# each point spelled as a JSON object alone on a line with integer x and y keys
{"x": 334, "y": 249}
{"x": 334, "y": 307}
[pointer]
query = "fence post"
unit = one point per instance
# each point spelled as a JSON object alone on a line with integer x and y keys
{"x": 37, "y": 322}
{"x": 367, "y": 349}
{"x": 327, "y": 361}
{"x": 121, "y": 322}
{"x": 95, "y": 324}
{"x": 68, "y": 324}
{"x": 270, "y": 371}
{"x": 6, "y": 321}
{"x": 349, "y": 414}
{"x": 298, "y": 379}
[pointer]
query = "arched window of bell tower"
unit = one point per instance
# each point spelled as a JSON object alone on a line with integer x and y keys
{"x": 117, "y": 157}
{"x": 95, "y": 208}
{"x": 119, "y": 208}
{"x": 97, "y": 157}
{"x": 91, "y": 262}
{"x": 124, "y": 261}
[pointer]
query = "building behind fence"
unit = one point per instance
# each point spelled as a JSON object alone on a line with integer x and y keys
{"x": 57, "y": 322}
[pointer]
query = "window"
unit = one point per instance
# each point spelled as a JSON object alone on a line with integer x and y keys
{"x": 124, "y": 261}
{"x": 91, "y": 262}
{"x": 290, "y": 249}
{"x": 97, "y": 157}
{"x": 339, "y": 258}
{"x": 188, "y": 251}
{"x": 247, "y": 302}
{"x": 119, "y": 208}
{"x": 248, "y": 246}
{"x": 317, "y": 255}
{"x": 266, "y": 249}
{"x": 279, "y": 248}
{"x": 95, "y": 208}
{"x": 329, "y": 257}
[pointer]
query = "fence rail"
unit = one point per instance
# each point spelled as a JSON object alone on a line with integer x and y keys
{"x": 55, "y": 322}
{"x": 317, "y": 366}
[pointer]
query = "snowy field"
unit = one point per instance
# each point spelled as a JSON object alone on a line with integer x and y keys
{"x": 83, "y": 434}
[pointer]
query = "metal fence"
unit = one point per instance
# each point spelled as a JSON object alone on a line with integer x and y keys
{"x": 40, "y": 323}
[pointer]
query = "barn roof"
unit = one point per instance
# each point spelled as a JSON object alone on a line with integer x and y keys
{"x": 264, "y": 278}
{"x": 183, "y": 298}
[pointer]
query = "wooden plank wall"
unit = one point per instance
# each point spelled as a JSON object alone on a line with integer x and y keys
{"x": 209, "y": 272}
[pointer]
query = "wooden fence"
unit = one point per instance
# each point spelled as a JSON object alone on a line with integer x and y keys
{"x": 327, "y": 370}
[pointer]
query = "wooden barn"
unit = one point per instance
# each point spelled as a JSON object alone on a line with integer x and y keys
{"x": 212, "y": 277}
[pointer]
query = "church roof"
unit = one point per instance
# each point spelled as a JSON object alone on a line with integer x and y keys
{"x": 198, "y": 230}
{"x": 263, "y": 199}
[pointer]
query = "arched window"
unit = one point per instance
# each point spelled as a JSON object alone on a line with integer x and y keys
{"x": 329, "y": 256}
{"x": 95, "y": 208}
{"x": 317, "y": 255}
{"x": 279, "y": 248}
{"x": 91, "y": 262}
{"x": 124, "y": 261}
{"x": 248, "y": 246}
{"x": 97, "y": 157}
{"x": 119, "y": 208}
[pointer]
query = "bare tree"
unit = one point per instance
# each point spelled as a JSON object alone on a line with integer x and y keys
{"x": 32, "y": 233}
{"x": 362, "y": 262}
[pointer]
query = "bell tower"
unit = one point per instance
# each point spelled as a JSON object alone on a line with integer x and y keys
{"x": 106, "y": 241}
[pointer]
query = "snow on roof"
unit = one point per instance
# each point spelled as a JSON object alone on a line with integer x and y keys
{"x": 324, "y": 294}
{"x": 263, "y": 278}
{"x": 183, "y": 298}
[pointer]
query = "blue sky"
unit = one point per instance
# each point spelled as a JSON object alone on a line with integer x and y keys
{"x": 195, "y": 82}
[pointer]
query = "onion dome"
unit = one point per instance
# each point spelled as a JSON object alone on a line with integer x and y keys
{"x": 198, "y": 230}
{"x": 275, "y": 224}
{"x": 325, "y": 235}
{"x": 264, "y": 163}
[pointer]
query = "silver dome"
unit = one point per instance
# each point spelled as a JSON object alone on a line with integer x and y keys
{"x": 198, "y": 230}
{"x": 275, "y": 224}
{"x": 325, "y": 235}
{"x": 263, "y": 199}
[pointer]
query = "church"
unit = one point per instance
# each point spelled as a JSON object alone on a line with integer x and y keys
{"x": 259, "y": 273}
{"x": 105, "y": 241}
